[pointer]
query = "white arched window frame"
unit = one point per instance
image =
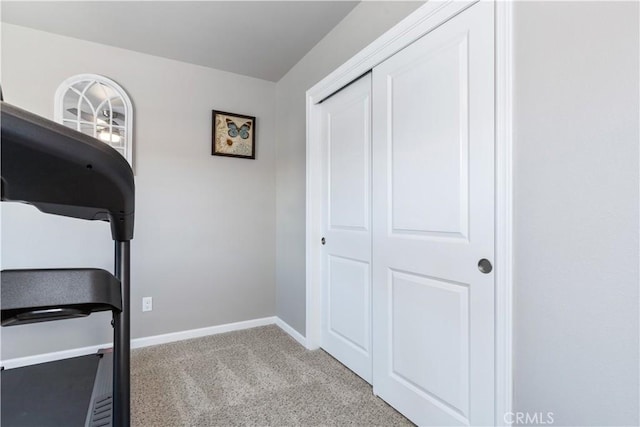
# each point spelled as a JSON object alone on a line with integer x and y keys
{"x": 99, "y": 107}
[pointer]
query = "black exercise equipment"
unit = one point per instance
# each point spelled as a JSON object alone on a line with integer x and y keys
{"x": 63, "y": 172}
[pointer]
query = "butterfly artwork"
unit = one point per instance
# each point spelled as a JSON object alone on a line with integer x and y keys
{"x": 233, "y": 130}
{"x": 233, "y": 135}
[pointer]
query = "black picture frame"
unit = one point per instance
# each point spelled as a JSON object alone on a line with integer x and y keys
{"x": 233, "y": 135}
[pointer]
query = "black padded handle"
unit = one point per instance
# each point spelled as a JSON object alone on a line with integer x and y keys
{"x": 65, "y": 172}
{"x": 29, "y": 296}
{"x": 46, "y": 315}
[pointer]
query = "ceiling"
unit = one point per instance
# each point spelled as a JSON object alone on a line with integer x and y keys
{"x": 262, "y": 39}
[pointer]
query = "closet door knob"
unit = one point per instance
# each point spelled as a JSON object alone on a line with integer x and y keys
{"x": 323, "y": 241}
{"x": 484, "y": 265}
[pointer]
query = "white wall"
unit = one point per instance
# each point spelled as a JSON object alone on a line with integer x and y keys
{"x": 360, "y": 27}
{"x": 576, "y": 219}
{"x": 205, "y": 225}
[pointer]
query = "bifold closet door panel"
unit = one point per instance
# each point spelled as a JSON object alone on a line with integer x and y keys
{"x": 346, "y": 296}
{"x": 433, "y": 220}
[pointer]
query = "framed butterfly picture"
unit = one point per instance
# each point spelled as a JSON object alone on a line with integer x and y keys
{"x": 233, "y": 135}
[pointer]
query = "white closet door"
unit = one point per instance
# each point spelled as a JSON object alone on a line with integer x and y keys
{"x": 433, "y": 206}
{"x": 346, "y": 298}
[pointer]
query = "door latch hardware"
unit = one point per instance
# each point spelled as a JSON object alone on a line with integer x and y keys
{"x": 484, "y": 265}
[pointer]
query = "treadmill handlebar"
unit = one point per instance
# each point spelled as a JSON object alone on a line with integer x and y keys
{"x": 65, "y": 172}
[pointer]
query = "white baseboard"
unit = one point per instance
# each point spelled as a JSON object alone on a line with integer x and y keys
{"x": 155, "y": 340}
{"x": 294, "y": 334}
{"x": 50, "y": 357}
{"x": 201, "y": 332}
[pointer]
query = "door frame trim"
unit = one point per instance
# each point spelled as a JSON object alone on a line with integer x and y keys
{"x": 423, "y": 20}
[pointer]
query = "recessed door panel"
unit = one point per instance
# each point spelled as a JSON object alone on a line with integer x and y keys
{"x": 428, "y": 106}
{"x": 348, "y": 147}
{"x": 432, "y": 359}
{"x": 349, "y": 301}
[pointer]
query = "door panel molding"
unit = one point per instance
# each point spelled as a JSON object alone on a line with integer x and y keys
{"x": 425, "y": 221}
{"x": 346, "y": 229}
{"x": 456, "y": 402}
{"x": 358, "y": 108}
{"x": 333, "y": 327}
{"x": 419, "y": 23}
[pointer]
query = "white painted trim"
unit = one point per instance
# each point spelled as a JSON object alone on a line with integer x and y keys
{"x": 145, "y": 341}
{"x": 420, "y": 22}
{"x": 201, "y": 332}
{"x": 289, "y": 330}
{"x": 504, "y": 210}
{"x": 423, "y": 20}
{"x": 313, "y": 228}
{"x": 156, "y": 340}
{"x": 19, "y": 362}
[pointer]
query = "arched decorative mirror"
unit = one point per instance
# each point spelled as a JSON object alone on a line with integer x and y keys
{"x": 99, "y": 107}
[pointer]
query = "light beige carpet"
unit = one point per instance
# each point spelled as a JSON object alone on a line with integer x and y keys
{"x": 255, "y": 377}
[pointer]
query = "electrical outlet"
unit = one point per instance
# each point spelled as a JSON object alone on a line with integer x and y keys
{"x": 147, "y": 303}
